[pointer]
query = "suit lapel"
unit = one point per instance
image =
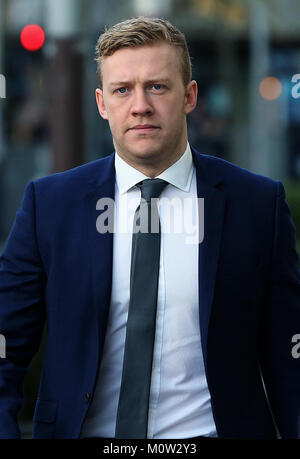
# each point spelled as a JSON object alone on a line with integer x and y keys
{"x": 214, "y": 206}
{"x": 100, "y": 245}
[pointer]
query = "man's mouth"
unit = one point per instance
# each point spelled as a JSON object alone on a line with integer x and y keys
{"x": 144, "y": 128}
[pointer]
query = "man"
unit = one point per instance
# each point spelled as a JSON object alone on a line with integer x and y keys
{"x": 212, "y": 355}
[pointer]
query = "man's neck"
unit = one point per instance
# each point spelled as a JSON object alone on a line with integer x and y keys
{"x": 152, "y": 170}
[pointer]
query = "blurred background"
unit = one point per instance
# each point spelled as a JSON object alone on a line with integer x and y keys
{"x": 246, "y": 61}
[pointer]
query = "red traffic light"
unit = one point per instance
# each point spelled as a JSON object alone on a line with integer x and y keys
{"x": 32, "y": 37}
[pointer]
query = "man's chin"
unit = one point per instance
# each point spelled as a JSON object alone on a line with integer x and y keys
{"x": 143, "y": 152}
{"x": 146, "y": 155}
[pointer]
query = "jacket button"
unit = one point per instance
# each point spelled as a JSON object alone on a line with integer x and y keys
{"x": 88, "y": 396}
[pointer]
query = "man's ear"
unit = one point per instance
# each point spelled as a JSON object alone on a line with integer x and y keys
{"x": 191, "y": 93}
{"x": 100, "y": 103}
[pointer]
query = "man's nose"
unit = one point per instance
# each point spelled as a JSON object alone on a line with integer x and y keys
{"x": 141, "y": 104}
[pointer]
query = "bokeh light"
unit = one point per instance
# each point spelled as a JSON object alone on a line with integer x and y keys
{"x": 270, "y": 88}
{"x": 32, "y": 37}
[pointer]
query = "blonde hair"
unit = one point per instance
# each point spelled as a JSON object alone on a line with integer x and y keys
{"x": 143, "y": 31}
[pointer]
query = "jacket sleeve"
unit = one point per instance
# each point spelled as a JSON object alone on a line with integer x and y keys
{"x": 22, "y": 311}
{"x": 281, "y": 322}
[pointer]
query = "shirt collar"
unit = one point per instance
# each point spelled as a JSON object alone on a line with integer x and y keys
{"x": 178, "y": 174}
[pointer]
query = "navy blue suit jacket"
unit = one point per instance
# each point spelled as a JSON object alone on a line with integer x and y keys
{"x": 57, "y": 266}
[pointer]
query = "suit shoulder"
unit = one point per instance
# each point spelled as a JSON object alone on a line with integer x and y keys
{"x": 237, "y": 176}
{"x": 75, "y": 177}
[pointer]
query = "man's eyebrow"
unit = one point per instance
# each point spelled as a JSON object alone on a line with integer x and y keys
{"x": 159, "y": 80}
{"x": 150, "y": 81}
{"x": 118, "y": 83}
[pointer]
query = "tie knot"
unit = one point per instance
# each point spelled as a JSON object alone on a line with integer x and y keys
{"x": 151, "y": 188}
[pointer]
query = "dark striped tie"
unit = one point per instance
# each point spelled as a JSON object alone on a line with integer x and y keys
{"x": 132, "y": 415}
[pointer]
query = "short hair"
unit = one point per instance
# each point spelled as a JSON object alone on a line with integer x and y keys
{"x": 143, "y": 31}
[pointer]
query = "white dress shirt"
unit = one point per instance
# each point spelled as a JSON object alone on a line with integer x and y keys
{"x": 179, "y": 405}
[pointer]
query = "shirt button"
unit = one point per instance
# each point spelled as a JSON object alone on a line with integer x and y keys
{"x": 88, "y": 396}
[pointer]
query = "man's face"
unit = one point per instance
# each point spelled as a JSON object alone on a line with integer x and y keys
{"x": 146, "y": 103}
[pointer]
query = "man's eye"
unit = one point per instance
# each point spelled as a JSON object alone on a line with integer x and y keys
{"x": 121, "y": 90}
{"x": 157, "y": 87}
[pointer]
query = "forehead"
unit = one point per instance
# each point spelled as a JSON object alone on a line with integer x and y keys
{"x": 149, "y": 61}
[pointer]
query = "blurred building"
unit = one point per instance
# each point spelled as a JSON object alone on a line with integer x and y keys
{"x": 49, "y": 119}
